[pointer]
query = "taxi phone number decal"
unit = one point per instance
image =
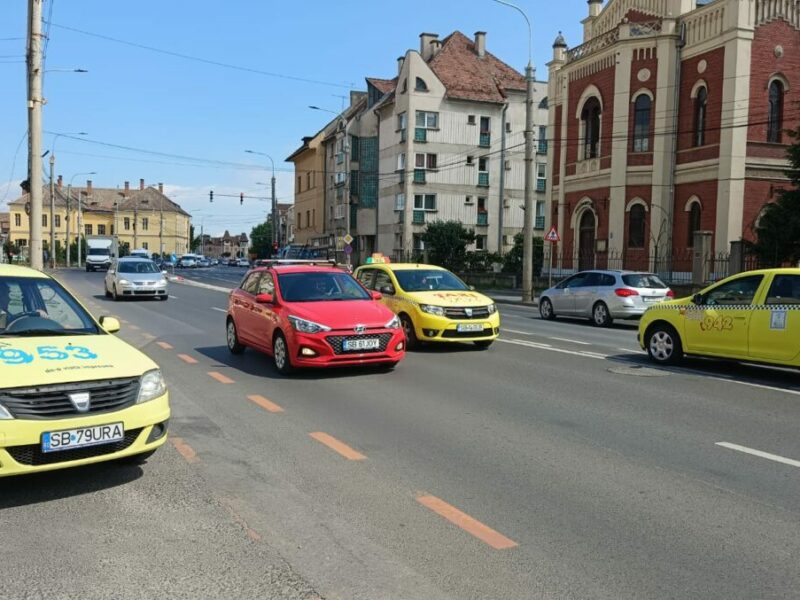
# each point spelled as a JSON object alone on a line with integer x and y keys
{"x": 14, "y": 356}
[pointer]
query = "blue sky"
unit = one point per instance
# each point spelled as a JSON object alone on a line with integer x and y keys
{"x": 141, "y": 99}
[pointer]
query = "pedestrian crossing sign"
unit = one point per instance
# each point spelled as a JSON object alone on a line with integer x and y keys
{"x": 552, "y": 235}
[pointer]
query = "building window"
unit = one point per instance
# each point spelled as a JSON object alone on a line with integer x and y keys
{"x": 58, "y": 221}
{"x": 483, "y": 171}
{"x": 354, "y": 148}
{"x": 145, "y": 223}
{"x": 22, "y": 243}
{"x": 427, "y": 120}
{"x": 399, "y": 201}
{"x": 636, "y": 222}
{"x": 313, "y": 217}
{"x": 299, "y": 184}
{"x": 402, "y": 124}
{"x": 420, "y": 85}
{"x": 126, "y": 223}
{"x": 541, "y": 177}
{"x": 470, "y": 119}
{"x": 101, "y": 229}
{"x": 590, "y": 117}
{"x": 485, "y": 138}
{"x": 542, "y": 146}
{"x": 641, "y": 123}
{"x": 775, "y": 115}
{"x": 694, "y": 223}
{"x": 88, "y": 228}
{"x": 470, "y": 160}
{"x": 145, "y": 246}
{"x": 425, "y": 161}
{"x": 44, "y": 220}
{"x": 401, "y": 161}
{"x": 425, "y": 202}
{"x": 480, "y": 242}
{"x": 308, "y": 180}
{"x": 700, "y": 107}
{"x": 17, "y": 220}
{"x": 299, "y": 220}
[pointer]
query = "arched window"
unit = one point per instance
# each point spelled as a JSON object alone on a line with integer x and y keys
{"x": 775, "y": 114}
{"x": 543, "y": 103}
{"x": 420, "y": 85}
{"x": 694, "y": 223}
{"x": 641, "y": 123}
{"x": 590, "y": 115}
{"x": 636, "y": 221}
{"x": 700, "y": 105}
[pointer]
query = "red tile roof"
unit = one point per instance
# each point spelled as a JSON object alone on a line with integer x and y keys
{"x": 383, "y": 85}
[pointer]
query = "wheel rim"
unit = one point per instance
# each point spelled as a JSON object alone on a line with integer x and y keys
{"x": 546, "y": 309}
{"x": 661, "y": 346}
{"x": 280, "y": 352}
{"x": 600, "y": 314}
{"x": 231, "y": 334}
{"x": 407, "y": 328}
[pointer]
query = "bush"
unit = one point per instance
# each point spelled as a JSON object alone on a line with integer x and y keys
{"x": 512, "y": 262}
{"x": 446, "y": 242}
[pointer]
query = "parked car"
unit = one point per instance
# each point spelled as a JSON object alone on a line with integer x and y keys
{"x": 752, "y": 316}
{"x": 187, "y": 262}
{"x": 603, "y": 296}
{"x": 233, "y": 262}
{"x": 203, "y": 262}
{"x": 312, "y": 316}
{"x": 135, "y": 277}
{"x": 71, "y": 393}
{"x": 243, "y": 262}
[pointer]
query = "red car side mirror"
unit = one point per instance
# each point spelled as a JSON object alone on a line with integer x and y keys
{"x": 265, "y": 298}
{"x": 376, "y": 295}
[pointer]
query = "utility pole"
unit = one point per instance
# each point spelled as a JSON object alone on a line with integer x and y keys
{"x": 34, "y": 60}
{"x": 527, "y": 248}
{"x": 161, "y": 231}
{"x": 69, "y": 216}
{"x": 52, "y": 213}
{"x": 276, "y": 234}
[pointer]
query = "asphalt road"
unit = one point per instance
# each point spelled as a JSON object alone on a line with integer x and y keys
{"x": 557, "y": 464}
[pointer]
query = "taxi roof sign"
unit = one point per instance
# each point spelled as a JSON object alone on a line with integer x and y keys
{"x": 377, "y": 258}
{"x": 552, "y": 235}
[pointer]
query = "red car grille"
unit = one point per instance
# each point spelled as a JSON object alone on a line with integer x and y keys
{"x": 337, "y": 342}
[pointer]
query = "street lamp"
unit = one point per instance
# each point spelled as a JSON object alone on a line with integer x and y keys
{"x": 80, "y": 217}
{"x": 53, "y": 197}
{"x": 527, "y": 233}
{"x": 323, "y": 109}
{"x": 276, "y": 239}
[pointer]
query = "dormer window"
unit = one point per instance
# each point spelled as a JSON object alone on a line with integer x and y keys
{"x": 420, "y": 85}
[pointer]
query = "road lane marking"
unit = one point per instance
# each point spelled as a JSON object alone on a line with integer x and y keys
{"x": 187, "y": 359}
{"x": 337, "y": 446}
{"x": 185, "y": 449}
{"x": 218, "y": 309}
{"x": 506, "y": 329}
{"x": 134, "y": 327}
{"x": 472, "y": 526}
{"x": 630, "y": 350}
{"x": 173, "y": 297}
{"x": 264, "y": 403}
{"x": 755, "y": 385}
{"x": 570, "y": 341}
{"x": 220, "y": 377}
{"x": 538, "y": 346}
{"x": 149, "y": 336}
{"x": 759, "y": 453}
{"x": 164, "y": 345}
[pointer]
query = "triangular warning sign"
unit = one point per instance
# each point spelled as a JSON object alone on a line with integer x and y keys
{"x": 552, "y": 235}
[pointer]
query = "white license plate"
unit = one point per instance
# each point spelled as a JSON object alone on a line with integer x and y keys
{"x": 54, "y": 441}
{"x": 366, "y": 344}
{"x": 469, "y": 327}
{"x": 652, "y": 298}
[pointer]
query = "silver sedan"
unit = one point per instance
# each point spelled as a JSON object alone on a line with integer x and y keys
{"x": 136, "y": 277}
{"x": 603, "y": 296}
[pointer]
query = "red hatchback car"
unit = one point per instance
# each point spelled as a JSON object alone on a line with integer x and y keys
{"x": 308, "y": 315}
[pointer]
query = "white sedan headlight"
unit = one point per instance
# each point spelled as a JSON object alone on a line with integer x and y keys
{"x": 306, "y": 326}
{"x": 151, "y": 386}
{"x": 4, "y": 414}
{"x": 432, "y": 310}
{"x": 394, "y": 323}
{"x": 124, "y": 282}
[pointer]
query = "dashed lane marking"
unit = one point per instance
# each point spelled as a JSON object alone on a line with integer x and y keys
{"x": 164, "y": 345}
{"x": 184, "y": 449}
{"x": 218, "y": 309}
{"x": 760, "y": 454}
{"x": 134, "y": 327}
{"x": 570, "y": 341}
{"x": 337, "y": 446}
{"x": 264, "y": 403}
{"x": 472, "y": 526}
{"x": 149, "y": 336}
{"x": 187, "y": 359}
{"x": 220, "y": 377}
{"x": 552, "y": 349}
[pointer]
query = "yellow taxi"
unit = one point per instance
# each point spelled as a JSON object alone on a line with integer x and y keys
{"x": 71, "y": 393}
{"x": 753, "y": 316}
{"x": 433, "y": 304}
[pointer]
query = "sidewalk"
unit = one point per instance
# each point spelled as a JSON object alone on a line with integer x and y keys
{"x": 509, "y": 297}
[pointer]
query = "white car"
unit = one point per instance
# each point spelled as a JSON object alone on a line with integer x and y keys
{"x": 243, "y": 262}
{"x": 135, "y": 277}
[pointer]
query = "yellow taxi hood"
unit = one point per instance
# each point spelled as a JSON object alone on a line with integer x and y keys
{"x": 31, "y": 361}
{"x": 452, "y": 298}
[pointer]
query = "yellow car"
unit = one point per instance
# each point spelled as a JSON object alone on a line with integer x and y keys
{"x": 433, "y": 304}
{"x": 70, "y": 392}
{"x": 753, "y": 316}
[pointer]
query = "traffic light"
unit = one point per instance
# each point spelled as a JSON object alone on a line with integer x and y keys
{"x": 241, "y": 198}
{"x": 211, "y": 196}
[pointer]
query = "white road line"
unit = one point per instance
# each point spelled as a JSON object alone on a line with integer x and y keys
{"x": 755, "y": 385}
{"x": 171, "y": 296}
{"x": 552, "y": 349}
{"x": 570, "y": 341}
{"x": 759, "y": 453}
{"x": 219, "y": 309}
{"x": 630, "y": 349}
{"x": 504, "y": 329}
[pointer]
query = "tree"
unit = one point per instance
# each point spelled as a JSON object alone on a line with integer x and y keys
{"x": 447, "y": 243}
{"x": 513, "y": 258}
{"x": 261, "y": 240}
{"x": 778, "y": 230}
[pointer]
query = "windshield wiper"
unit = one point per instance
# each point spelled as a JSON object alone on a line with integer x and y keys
{"x": 44, "y": 333}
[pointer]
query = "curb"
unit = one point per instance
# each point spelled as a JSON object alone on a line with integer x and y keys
{"x": 533, "y": 304}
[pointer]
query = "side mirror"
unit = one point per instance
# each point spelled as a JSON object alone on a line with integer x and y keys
{"x": 376, "y": 295}
{"x": 109, "y": 324}
{"x": 472, "y": 287}
{"x": 697, "y": 299}
{"x": 265, "y": 298}
{"x": 388, "y": 290}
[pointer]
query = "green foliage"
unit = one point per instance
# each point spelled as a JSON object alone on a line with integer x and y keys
{"x": 512, "y": 261}
{"x": 261, "y": 240}
{"x": 447, "y": 243}
{"x": 481, "y": 261}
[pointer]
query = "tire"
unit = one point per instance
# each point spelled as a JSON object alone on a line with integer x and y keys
{"x": 232, "y": 338}
{"x": 114, "y": 294}
{"x": 89, "y": 269}
{"x": 108, "y": 294}
{"x": 600, "y": 315}
{"x": 280, "y": 354}
{"x": 408, "y": 328}
{"x": 483, "y": 344}
{"x": 546, "y": 309}
{"x": 136, "y": 459}
{"x": 664, "y": 345}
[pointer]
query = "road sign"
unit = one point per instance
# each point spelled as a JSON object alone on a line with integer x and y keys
{"x": 552, "y": 235}
{"x": 348, "y": 249}
{"x": 348, "y": 239}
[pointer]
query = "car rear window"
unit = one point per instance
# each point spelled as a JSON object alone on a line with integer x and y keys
{"x": 643, "y": 280}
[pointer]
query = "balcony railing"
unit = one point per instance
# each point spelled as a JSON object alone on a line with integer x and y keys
{"x": 483, "y": 178}
{"x": 420, "y": 134}
{"x": 485, "y": 140}
{"x": 539, "y": 223}
{"x": 541, "y": 185}
{"x": 419, "y": 175}
{"x": 419, "y": 217}
{"x": 483, "y": 218}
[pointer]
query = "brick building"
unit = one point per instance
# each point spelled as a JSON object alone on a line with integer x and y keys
{"x": 668, "y": 119}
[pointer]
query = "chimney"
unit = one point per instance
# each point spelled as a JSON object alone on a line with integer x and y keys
{"x": 595, "y": 6}
{"x": 425, "y": 47}
{"x": 160, "y": 188}
{"x": 127, "y": 188}
{"x": 436, "y": 45}
{"x": 88, "y": 187}
{"x": 400, "y": 61}
{"x": 141, "y": 184}
{"x": 480, "y": 43}
{"x": 60, "y": 181}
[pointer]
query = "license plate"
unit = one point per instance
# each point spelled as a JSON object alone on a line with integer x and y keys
{"x": 469, "y": 327}
{"x": 68, "y": 439}
{"x": 652, "y": 298}
{"x": 365, "y": 344}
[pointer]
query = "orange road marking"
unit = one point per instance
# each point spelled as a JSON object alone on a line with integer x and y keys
{"x": 184, "y": 449}
{"x": 220, "y": 377}
{"x": 337, "y": 446}
{"x": 187, "y": 359}
{"x": 472, "y": 526}
{"x": 165, "y": 345}
{"x": 265, "y": 404}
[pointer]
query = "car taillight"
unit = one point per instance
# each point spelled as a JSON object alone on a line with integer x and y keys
{"x": 625, "y": 292}
{"x": 670, "y": 294}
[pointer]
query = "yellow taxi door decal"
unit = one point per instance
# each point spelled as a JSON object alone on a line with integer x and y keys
{"x": 775, "y": 326}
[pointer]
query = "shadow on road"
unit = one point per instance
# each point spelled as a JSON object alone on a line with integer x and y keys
{"x": 66, "y": 483}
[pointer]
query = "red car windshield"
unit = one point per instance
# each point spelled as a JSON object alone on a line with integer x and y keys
{"x": 320, "y": 286}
